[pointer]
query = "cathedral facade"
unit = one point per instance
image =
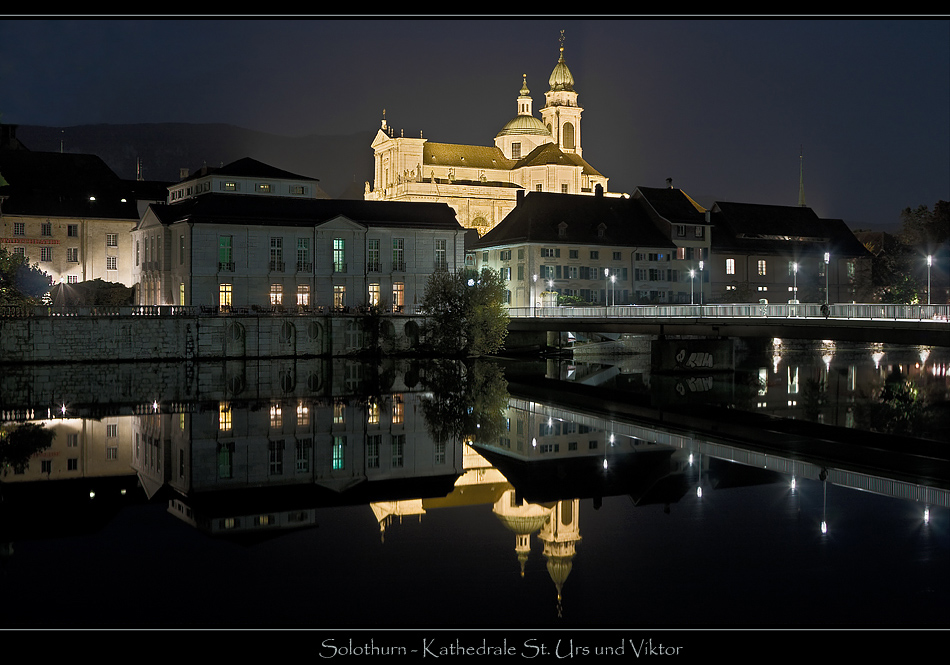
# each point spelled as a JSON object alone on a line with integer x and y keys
{"x": 482, "y": 183}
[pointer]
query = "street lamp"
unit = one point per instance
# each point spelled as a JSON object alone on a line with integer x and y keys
{"x": 692, "y": 273}
{"x": 534, "y": 293}
{"x": 606, "y": 279}
{"x": 795, "y": 289}
{"x": 827, "y": 261}
{"x": 700, "y": 283}
{"x": 930, "y": 260}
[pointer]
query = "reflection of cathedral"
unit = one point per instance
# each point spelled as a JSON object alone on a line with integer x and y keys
{"x": 482, "y": 183}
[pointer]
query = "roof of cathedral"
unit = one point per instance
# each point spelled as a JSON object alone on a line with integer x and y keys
{"x": 561, "y": 78}
{"x": 279, "y": 211}
{"x": 550, "y": 153}
{"x": 474, "y": 156}
{"x": 599, "y": 220}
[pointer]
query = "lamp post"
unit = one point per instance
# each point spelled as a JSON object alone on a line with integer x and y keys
{"x": 930, "y": 260}
{"x": 700, "y": 283}
{"x": 827, "y": 294}
{"x": 692, "y": 274}
{"x": 606, "y": 284}
{"x": 795, "y": 288}
{"x": 613, "y": 290}
{"x": 534, "y": 291}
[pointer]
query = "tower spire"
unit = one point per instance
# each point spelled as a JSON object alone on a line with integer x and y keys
{"x": 801, "y": 179}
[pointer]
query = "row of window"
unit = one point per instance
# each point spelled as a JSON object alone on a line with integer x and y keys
{"x": 72, "y": 231}
{"x": 72, "y": 256}
{"x": 303, "y": 254}
{"x": 374, "y": 293}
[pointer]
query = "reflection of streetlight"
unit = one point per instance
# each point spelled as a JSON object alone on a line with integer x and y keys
{"x": 606, "y": 279}
{"x": 613, "y": 290}
{"x": 930, "y": 260}
{"x": 692, "y": 273}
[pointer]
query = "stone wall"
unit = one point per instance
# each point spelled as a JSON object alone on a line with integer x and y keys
{"x": 126, "y": 333}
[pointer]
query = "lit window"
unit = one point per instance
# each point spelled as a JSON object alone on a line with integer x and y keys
{"x": 730, "y": 266}
{"x": 276, "y": 294}
{"x": 112, "y": 240}
{"x": 761, "y": 265}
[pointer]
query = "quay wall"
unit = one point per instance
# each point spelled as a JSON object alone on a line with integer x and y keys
{"x": 125, "y": 334}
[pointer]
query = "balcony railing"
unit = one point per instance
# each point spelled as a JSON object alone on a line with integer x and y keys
{"x": 339, "y": 267}
{"x": 304, "y": 266}
{"x": 277, "y": 266}
{"x": 374, "y": 267}
{"x": 399, "y": 266}
{"x": 225, "y": 266}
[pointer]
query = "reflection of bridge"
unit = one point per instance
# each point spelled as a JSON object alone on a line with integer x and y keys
{"x": 897, "y": 324}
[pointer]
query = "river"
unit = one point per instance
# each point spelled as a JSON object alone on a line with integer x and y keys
{"x": 805, "y": 488}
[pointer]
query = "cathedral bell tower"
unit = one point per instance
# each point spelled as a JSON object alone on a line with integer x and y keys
{"x": 561, "y": 114}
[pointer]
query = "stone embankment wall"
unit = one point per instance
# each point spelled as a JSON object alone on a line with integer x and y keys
{"x": 127, "y": 333}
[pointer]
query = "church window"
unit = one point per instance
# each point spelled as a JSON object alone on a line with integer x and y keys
{"x": 516, "y": 150}
{"x": 568, "y": 136}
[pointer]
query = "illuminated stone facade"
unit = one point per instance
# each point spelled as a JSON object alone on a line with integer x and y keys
{"x": 482, "y": 183}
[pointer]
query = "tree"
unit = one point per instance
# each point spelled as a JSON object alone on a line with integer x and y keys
{"x": 20, "y": 282}
{"x": 466, "y": 312}
{"x": 922, "y": 227}
{"x": 19, "y": 444}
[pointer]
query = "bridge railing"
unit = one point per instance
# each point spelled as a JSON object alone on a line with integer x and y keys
{"x": 745, "y": 310}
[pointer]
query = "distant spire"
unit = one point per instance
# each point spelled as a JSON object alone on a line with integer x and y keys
{"x": 801, "y": 179}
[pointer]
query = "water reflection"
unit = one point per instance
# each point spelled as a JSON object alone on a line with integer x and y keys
{"x": 242, "y": 452}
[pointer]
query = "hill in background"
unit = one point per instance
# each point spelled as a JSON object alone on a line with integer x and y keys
{"x": 341, "y": 163}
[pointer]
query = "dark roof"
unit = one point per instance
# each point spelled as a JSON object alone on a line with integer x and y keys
{"x": 247, "y": 167}
{"x": 673, "y": 205}
{"x": 771, "y": 229}
{"x": 58, "y": 184}
{"x": 278, "y": 211}
{"x": 538, "y": 218}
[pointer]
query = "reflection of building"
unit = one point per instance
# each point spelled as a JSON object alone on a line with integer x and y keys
{"x": 598, "y": 249}
{"x": 68, "y": 213}
{"x": 249, "y": 235}
{"x": 481, "y": 183}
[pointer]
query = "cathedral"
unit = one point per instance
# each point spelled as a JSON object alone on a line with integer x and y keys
{"x": 482, "y": 183}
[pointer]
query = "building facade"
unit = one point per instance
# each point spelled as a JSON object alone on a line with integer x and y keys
{"x": 481, "y": 183}
{"x": 266, "y": 250}
{"x": 68, "y": 213}
{"x": 784, "y": 253}
{"x": 586, "y": 249}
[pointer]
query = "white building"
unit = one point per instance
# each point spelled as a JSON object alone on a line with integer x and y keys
{"x": 481, "y": 183}
{"x": 594, "y": 249}
{"x": 221, "y": 246}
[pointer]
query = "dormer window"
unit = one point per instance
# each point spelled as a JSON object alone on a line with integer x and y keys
{"x": 562, "y": 230}
{"x": 263, "y": 188}
{"x": 601, "y": 230}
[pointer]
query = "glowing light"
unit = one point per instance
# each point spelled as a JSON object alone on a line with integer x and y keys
{"x": 793, "y": 483}
{"x": 824, "y": 527}
{"x": 927, "y": 515}
{"x": 699, "y": 492}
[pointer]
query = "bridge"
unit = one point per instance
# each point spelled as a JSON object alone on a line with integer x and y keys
{"x": 927, "y": 325}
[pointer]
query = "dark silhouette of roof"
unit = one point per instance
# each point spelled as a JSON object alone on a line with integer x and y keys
{"x": 63, "y": 185}
{"x": 247, "y": 167}
{"x": 672, "y": 205}
{"x": 545, "y": 217}
{"x": 278, "y": 211}
{"x": 771, "y": 229}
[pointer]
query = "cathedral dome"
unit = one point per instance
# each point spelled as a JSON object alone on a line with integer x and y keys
{"x": 524, "y": 124}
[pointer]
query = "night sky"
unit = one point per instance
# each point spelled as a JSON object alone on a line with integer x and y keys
{"x": 724, "y": 107}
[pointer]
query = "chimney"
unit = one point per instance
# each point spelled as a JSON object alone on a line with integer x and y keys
{"x": 669, "y": 183}
{"x": 520, "y": 197}
{"x": 598, "y": 190}
{"x": 183, "y": 173}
